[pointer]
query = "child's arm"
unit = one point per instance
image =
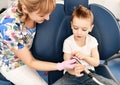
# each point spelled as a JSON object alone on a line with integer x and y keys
{"x": 92, "y": 59}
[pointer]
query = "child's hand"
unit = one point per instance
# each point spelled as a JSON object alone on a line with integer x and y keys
{"x": 66, "y": 65}
{"x": 79, "y": 69}
{"x": 79, "y": 55}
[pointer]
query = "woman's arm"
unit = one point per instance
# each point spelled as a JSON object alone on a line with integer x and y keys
{"x": 25, "y": 55}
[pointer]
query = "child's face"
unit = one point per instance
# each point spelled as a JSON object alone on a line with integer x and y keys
{"x": 38, "y": 17}
{"x": 81, "y": 27}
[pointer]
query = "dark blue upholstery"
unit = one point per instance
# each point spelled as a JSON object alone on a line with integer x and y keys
{"x": 3, "y": 81}
{"x": 44, "y": 45}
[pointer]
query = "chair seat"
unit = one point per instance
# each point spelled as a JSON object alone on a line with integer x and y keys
{"x": 5, "y": 82}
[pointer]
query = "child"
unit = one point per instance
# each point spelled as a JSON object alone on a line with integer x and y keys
{"x": 85, "y": 48}
{"x": 17, "y": 30}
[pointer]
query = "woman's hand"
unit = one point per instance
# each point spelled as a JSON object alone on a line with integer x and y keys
{"x": 66, "y": 65}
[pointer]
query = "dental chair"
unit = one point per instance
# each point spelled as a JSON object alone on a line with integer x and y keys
{"x": 107, "y": 32}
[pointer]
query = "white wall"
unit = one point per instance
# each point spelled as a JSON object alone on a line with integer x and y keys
{"x": 112, "y": 5}
{"x": 3, "y": 4}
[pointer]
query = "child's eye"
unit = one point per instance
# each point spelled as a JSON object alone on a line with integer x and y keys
{"x": 76, "y": 28}
{"x": 84, "y": 29}
{"x": 41, "y": 16}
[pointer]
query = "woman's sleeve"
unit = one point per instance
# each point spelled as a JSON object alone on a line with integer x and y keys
{"x": 11, "y": 35}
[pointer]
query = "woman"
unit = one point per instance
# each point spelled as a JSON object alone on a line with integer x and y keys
{"x": 17, "y": 30}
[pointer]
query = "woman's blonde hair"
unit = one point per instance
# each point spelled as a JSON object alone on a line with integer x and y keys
{"x": 83, "y": 12}
{"x": 42, "y": 6}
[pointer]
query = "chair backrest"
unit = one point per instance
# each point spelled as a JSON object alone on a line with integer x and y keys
{"x": 44, "y": 45}
{"x": 106, "y": 30}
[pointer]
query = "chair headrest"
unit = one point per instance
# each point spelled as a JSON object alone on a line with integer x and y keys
{"x": 71, "y": 4}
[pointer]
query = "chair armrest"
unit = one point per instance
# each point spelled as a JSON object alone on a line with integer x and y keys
{"x": 112, "y": 57}
{"x": 105, "y": 71}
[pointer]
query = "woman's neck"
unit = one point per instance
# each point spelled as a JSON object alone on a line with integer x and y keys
{"x": 30, "y": 23}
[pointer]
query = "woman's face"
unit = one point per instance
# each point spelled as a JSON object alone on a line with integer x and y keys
{"x": 38, "y": 17}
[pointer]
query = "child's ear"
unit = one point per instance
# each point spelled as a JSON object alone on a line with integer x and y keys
{"x": 91, "y": 28}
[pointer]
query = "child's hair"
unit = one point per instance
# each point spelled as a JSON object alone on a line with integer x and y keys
{"x": 43, "y": 6}
{"x": 83, "y": 12}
